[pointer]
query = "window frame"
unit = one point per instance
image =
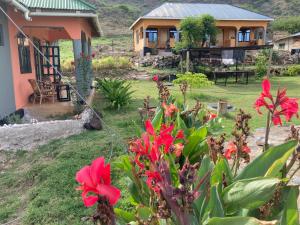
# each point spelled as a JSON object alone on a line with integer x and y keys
{"x": 152, "y": 35}
{"x": 281, "y": 46}
{"x": 1, "y": 35}
{"x": 244, "y": 35}
{"x": 24, "y": 53}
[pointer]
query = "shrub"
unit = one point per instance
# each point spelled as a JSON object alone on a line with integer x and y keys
{"x": 195, "y": 80}
{"x": 111, "y": 63}
{"x": 261, "y": 65}
{"x": 293, "y": 70}
{"x": 118, "y": 92}
{"x": 67, "y": 65}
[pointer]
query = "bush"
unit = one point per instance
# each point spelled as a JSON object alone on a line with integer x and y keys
{"x": 195, "y": 80}
{"x": 261, "y": 65}
{"x": 116, "y": 91}
{"x": 111, "y": 63}
{"x": 67, "y": 65}
{"x": 293, "y": 70}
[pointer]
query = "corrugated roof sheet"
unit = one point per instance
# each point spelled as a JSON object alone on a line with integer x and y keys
{"x": 218, "y": 11}
{"x": 79, "y": 5}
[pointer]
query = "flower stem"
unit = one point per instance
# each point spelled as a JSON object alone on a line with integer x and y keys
{"x": 266, "y": 145}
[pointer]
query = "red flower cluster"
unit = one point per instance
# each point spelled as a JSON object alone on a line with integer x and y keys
{"x": 232, "y": 149}
{"x": 281, "y": 106}
{"x": 212, "y": 116}
{"x": 155, "y": 78}
{"x": 151, "y": 147}
{"x": 169, "y": 109}
{"x": 95, "y": 179}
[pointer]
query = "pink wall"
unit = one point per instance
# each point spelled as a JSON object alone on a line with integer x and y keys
{"x": 72, "y": 28}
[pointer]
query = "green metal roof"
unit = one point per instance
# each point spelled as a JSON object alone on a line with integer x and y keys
{"x": 78, "y": 5}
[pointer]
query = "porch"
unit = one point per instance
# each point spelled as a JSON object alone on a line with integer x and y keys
{"x": 42, "y": 34}
{"x": 155, "y": 38}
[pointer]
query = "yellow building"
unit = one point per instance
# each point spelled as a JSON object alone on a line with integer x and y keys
{"x": 160, "y": 29}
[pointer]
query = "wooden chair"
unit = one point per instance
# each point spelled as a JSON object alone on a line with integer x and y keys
{"x": 42, "y": 90}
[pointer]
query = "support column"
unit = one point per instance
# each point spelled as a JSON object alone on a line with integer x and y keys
{"x": 265, "y": 36}
{"x": 144, "y": 41}
{"x": 77, "y": 49}
{"x": 237, "y": 37}
{"x": 90, "y": 53}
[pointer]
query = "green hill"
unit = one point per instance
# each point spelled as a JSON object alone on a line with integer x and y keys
{"x": 117, "y": 15}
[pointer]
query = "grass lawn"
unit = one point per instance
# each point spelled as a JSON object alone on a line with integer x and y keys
{"x": 39, "y": 187}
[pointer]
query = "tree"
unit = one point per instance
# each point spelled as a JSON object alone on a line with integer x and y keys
{"x": 196, "y": 31}
{"x": 289, "y": 24}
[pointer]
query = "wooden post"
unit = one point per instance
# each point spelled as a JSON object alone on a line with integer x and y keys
{"x": 187, "y": 61}
{"x": 222, "y": 107}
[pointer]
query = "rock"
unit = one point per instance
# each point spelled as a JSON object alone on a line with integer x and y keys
{"x": 158, "y": 61}
{"x": 95, "y": 123}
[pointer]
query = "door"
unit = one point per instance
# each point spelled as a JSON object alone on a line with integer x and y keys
{"x": 7, "y": 98}
{"x": 52, "y": 53}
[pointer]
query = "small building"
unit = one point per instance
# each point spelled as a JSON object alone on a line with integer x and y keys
{"x": 288, "y": 43}
{"x": 160, "y": 28}
{"x": 44, "y": 22}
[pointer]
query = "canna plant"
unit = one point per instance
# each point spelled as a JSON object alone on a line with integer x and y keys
{"x": 181, "y": 173}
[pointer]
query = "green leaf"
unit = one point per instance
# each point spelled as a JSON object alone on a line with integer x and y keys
{"x": 157, "y": 120}
{"x": 274, "y": 170}
{"x": 249, "y": 193}
{"x": 238, "y": 221}
{"x": 290, "y": 214}
{"x": 269, "y": 159}
{"x": 215, "y": 207}
{"x": 125, "y": 216}
{"x": 194, "y": 140}
{"x": 180, "y": 125}
{"x": 144, "y": 213}
{"x": 205, "y": 168}
{"x": 221, "y": 168}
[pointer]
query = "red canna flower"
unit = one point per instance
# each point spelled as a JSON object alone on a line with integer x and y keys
{"x": 95, "y": 180}
{"x": 232, "y": 149}
{"x": 153, "y": 178}
{"x": 151, "y": 146}
{"x": 281, "y": 106}
{"x": 212, "y": 116}
{"x": 155, "y": 78}
{"x": 169, "y": 109}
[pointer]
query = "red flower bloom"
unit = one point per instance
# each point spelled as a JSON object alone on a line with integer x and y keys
{"x": 169, "y": 109}
{"x": 212, "y": 116}
{"x": 281, "y": 106}
{"x": 152, "y": 180}
{"x": 95, "y": 179}
{"x": 178, "y": 149}
{"x": 152, "y": 145}
{"x": 155, "y": 78}
{"x": 232, "y": 149}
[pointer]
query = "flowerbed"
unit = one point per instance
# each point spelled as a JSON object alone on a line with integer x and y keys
{"x": 181, "y": 172}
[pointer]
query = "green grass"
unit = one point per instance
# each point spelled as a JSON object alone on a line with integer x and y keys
{"x": 119, "y": 43}
{"x": 39, "y": 187}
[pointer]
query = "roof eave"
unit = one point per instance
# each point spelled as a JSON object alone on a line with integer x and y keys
{"x": 92, "y": 16}
{"x": 181, "y": 18}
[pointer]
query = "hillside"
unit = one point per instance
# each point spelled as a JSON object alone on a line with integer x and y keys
{"x": 117, "y": 15}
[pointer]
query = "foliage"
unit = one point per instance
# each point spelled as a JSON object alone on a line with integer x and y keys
{"x": 110, "y": 62}
{"x": 289, "y": 24}
{"x": 196, "y": 31}
{"x": 261, "y": 65}
{"x": 293, "y": 70}
{"x": 118, "y": 92}
{"x": 194, "y": 80}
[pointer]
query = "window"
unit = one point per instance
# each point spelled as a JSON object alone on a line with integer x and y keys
{"x": 151, "y": 34}
{"x": 244, "y": 35}
{"x": 1, "y": 35}
{"x": 137, "y": 36}
{"x": 173, "y": 33}
{"x": 282, "y": 46}
{"x": 24, "y": 54}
